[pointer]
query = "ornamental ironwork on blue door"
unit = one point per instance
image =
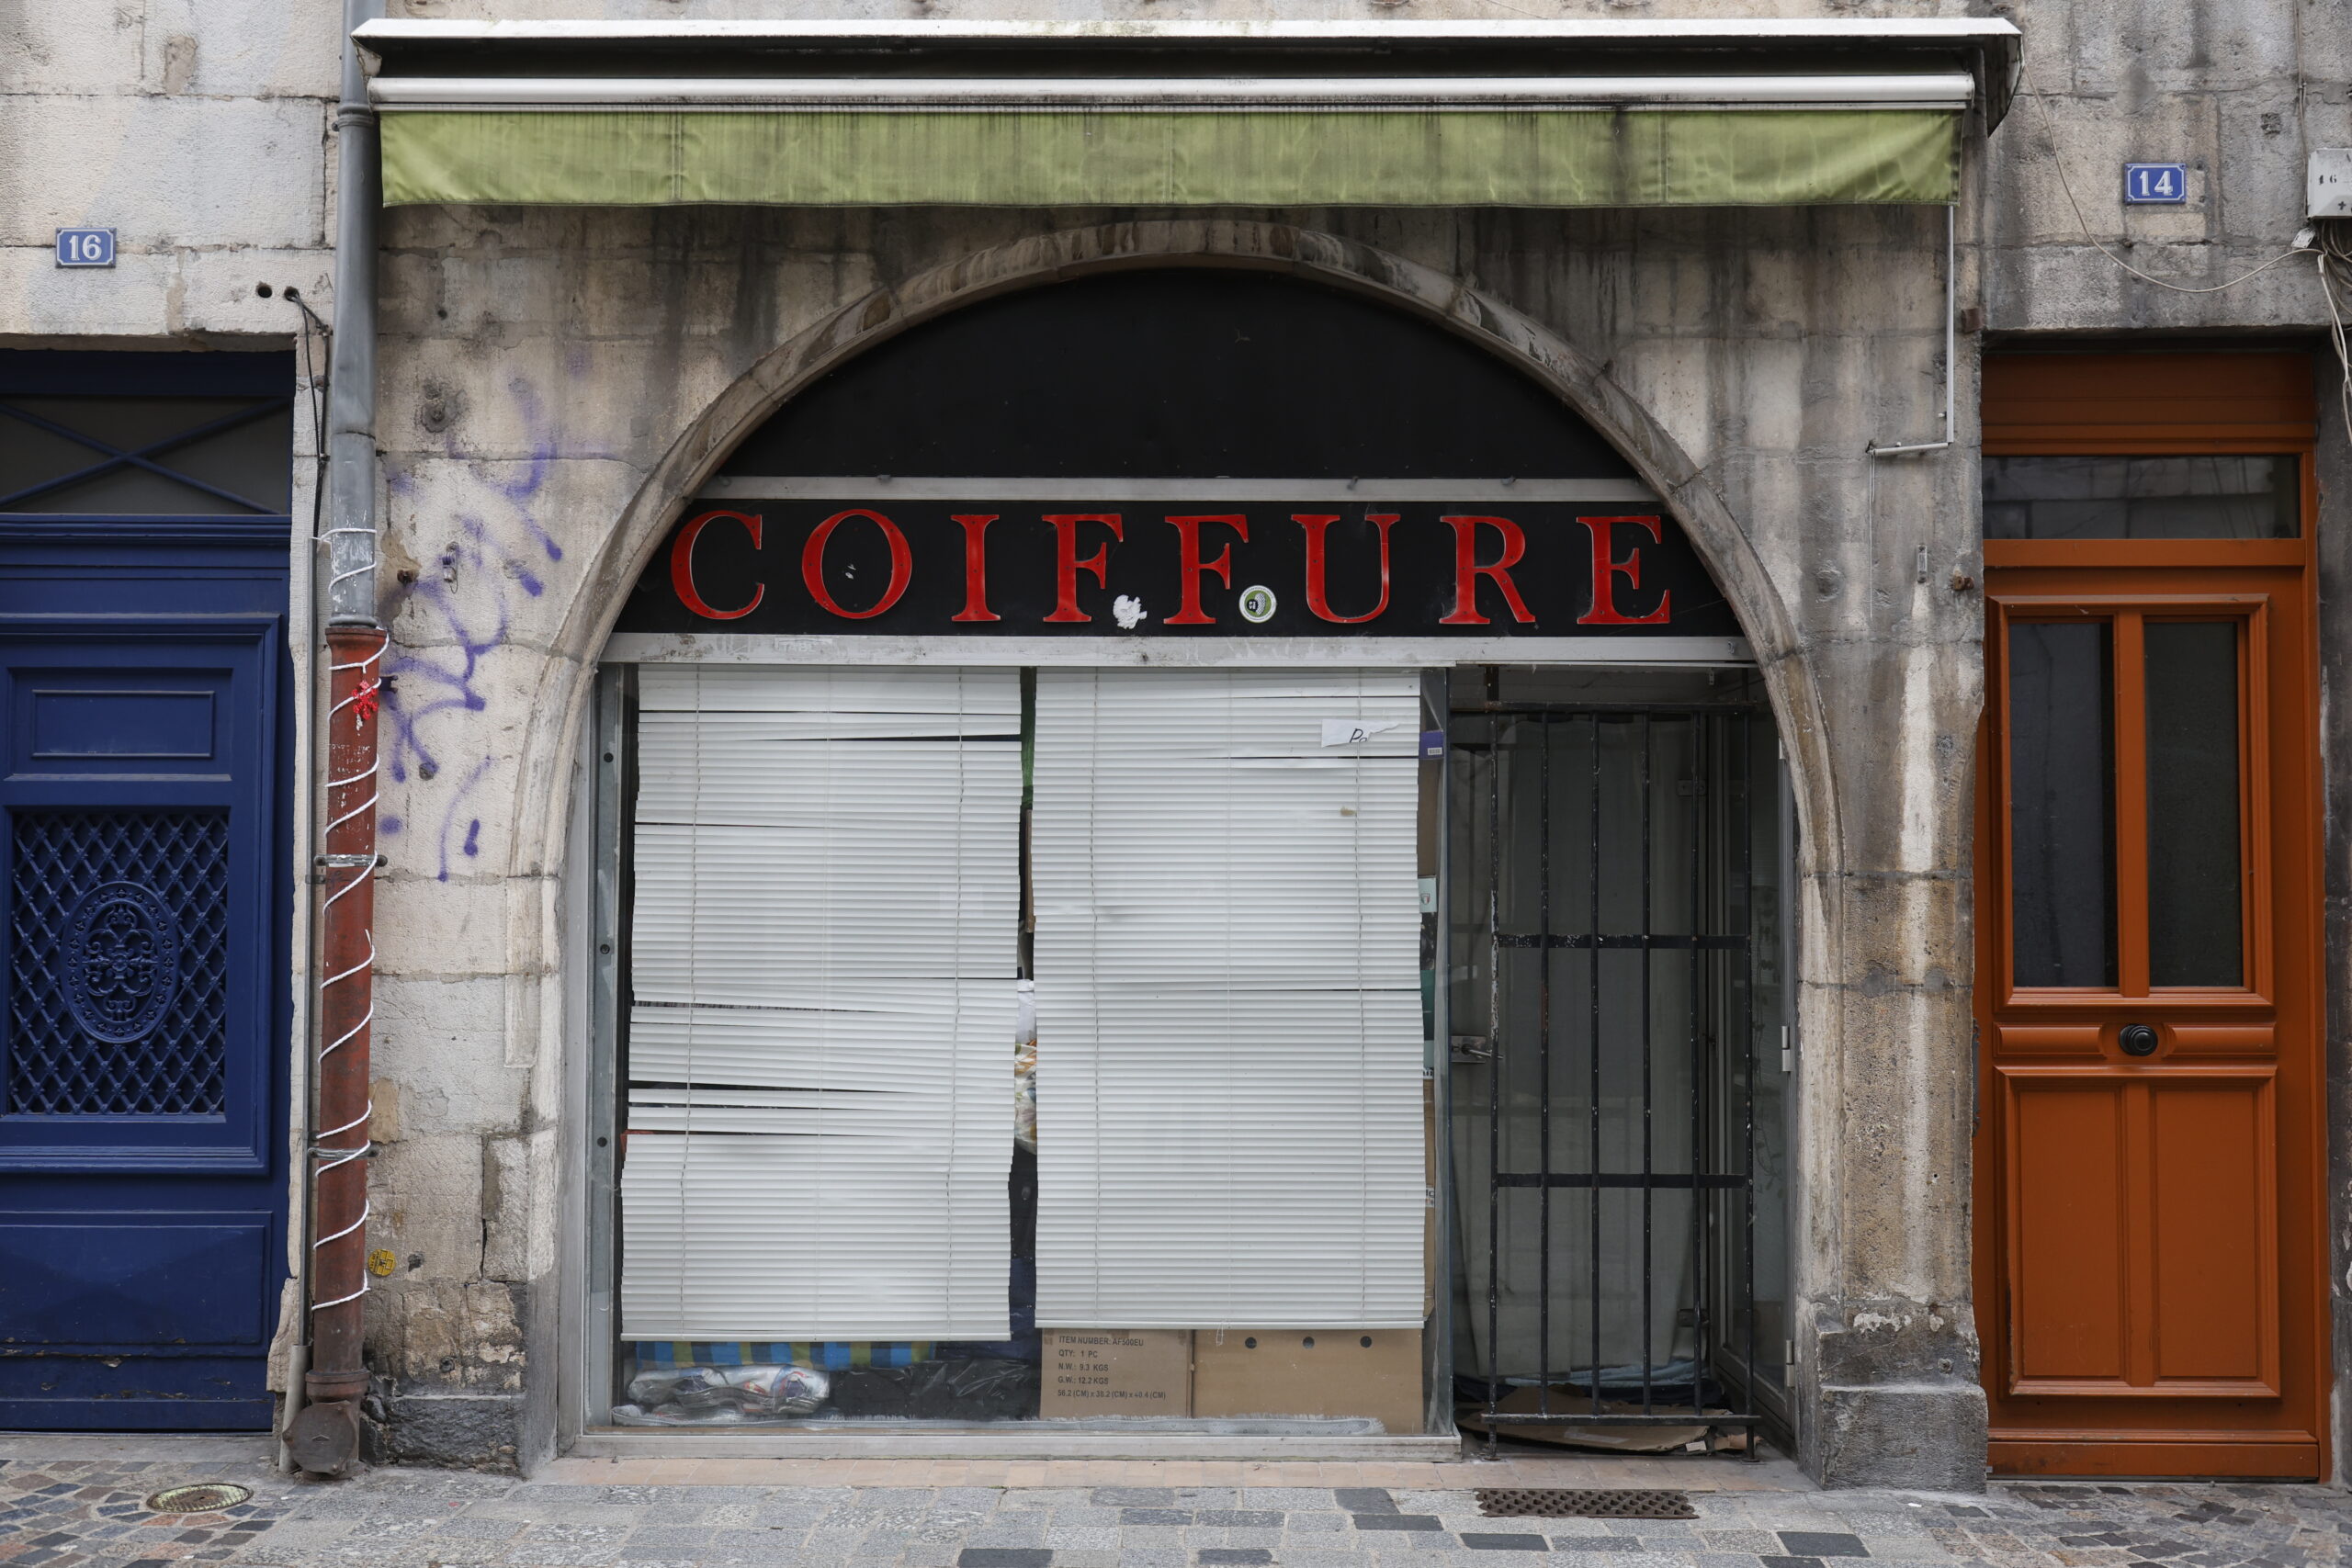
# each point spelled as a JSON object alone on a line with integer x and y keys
{"x": 144, "y": 836}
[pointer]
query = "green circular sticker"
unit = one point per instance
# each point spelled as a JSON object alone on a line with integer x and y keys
{"x": 1256, "y": 605}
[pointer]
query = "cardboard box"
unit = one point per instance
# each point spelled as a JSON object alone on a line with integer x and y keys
{"x": 1324, "y": 1372}
{"x": 1116, "y": 1372}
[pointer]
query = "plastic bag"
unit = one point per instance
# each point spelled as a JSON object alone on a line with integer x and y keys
{"x": 1025, "y": 1066}
{"x": 769, "y": 1393}
{"x": 1024, "y": 1096}
{"x": 979, "y": 1390}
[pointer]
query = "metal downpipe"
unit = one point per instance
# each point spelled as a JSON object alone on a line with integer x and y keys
{"x": 323, "y": 1438}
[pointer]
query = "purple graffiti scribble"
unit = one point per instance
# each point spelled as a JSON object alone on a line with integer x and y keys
{"x": 472, "y": 844}
{"x": 440, "y": 675}
{"x": 546, "y": 541}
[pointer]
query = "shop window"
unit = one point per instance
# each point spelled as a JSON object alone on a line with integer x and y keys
{"x": 1059, "y": 1042}
{"x": 826, "y": 884}
{"x": 1228, "y": 1000}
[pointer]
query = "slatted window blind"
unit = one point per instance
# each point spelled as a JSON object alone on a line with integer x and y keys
{"x": 824, "y": 941}
{"x": 1229, "y": 1007}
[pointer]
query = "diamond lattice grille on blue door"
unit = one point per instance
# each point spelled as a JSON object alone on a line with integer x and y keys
{"x": 118, "y": 964}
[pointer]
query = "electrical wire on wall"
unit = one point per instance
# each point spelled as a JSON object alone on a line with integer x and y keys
{"x": 314, "y": 380}
{"x": 2332, "y": 242}
{"x": 2058, "y": 162}
{"x": 2328, "y": 241}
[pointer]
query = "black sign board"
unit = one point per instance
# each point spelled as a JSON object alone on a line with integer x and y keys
{"x": 931, "y": 568}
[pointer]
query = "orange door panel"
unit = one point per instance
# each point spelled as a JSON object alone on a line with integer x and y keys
{"x": 2069, "y": 1306}
{"x": 2143, "y": 1233}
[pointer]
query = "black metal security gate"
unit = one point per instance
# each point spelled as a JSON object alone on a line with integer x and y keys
{"x": 1615, "y": 902}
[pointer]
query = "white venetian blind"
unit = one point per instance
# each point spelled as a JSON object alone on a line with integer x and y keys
{"x": 1229, "y": 1004}
{"x": 822, "y": 959}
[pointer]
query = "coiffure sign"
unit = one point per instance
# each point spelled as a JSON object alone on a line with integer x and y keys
{"x": 1174, "y": 569}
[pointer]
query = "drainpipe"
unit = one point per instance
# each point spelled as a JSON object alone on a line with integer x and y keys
{"x": 324, "y": 1436}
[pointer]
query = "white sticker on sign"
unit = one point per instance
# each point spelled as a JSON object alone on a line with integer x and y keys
{"x": 1350, "y": 731}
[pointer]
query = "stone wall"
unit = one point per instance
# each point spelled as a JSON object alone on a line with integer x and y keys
{"x": 200, "y": 130}
{"x": 553, "y": 381}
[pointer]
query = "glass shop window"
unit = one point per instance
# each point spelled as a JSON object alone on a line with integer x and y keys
{"x": 1063, "y": 1044}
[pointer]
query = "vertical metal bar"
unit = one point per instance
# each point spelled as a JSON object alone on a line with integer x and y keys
{"x": 1544, "y": 1066}
{"x": 1648, "y": 1108}
{"x": 1494, "y": 1071}
{"x": 1696, "y": 823}
{"x": 1592, "y": 1048}
{"x": 604, "y": 1067}
{"x": 1747, "y": 952}
{"x": 1440, "y": 1394}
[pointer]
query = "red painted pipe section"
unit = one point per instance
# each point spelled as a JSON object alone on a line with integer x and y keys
{"x": 337, "y": 1375}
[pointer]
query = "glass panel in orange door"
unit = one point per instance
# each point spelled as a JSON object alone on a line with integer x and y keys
{"x": 2062, "y": 804}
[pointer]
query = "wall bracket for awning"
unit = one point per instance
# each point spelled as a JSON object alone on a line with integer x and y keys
{"x": 854, "y": 114}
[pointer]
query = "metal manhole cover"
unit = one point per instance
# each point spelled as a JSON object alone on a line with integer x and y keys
{"x": 210, "y": 1497}
{"x": 1497, "y": 1502}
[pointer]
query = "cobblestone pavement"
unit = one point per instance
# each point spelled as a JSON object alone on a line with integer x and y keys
{"x": 66, "y": 1513}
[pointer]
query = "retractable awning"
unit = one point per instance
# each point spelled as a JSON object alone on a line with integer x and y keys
{"x": 1529, "y": 113}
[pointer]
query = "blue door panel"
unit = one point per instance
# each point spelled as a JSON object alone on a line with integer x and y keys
{"x": 108, "y": 1280}
{"x": 80, "y": 717}
{"x": 146, "y": 927}
{"x": 138, "y": 959}
{"x": 47, "y": 1393}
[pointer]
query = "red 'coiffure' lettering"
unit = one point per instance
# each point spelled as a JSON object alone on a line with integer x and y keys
{"x": 813, "y": 563}
{"x": 1189, "y": 566}
{"x": 682, "y": 564}
{"x": 976, "y": 569}
{"x": 1467, "y": 569}
{"x": 1316, "y": 527}
{"x": 1607, "y": 569}
{"x": 1066, "y": 564}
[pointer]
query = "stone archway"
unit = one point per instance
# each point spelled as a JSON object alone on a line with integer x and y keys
{"x": 1043, "y": 259}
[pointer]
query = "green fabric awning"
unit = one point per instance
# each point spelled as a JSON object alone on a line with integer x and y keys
{"x": 1122, "y": 156}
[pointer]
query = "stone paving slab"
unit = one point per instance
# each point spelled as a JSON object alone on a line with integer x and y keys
{"x": 90, "y": 1513}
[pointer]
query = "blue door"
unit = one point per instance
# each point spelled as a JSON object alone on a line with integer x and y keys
{"x": 144, "y": 836}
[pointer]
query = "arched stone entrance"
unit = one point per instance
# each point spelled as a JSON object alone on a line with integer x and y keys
{"x": 1873, "y": 1263}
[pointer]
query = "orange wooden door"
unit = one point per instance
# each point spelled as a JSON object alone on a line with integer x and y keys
{"x": 2150, "y": 1283}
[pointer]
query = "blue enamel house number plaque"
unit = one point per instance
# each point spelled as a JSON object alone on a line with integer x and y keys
{"x": 2158, "y": 185}
{"x": 86, "y": 247}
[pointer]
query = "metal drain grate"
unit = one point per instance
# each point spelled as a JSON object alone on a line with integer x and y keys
{"x": 206, "y": 1498}
{"x": 1499, "y": 1502}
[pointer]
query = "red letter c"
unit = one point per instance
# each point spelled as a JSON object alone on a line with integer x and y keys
{"x": 682, "y": 564}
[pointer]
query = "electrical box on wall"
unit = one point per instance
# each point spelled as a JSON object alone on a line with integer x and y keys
{"x": 2329, "y": 179}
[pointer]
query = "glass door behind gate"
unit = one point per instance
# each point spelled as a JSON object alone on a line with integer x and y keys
{"x": 1619, "y": 1105}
